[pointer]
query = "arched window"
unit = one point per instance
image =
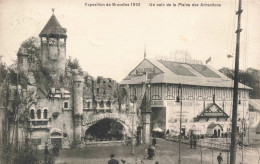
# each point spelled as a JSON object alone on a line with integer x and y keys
{"x": 108, "y": 103}
{"x": 32, "y": 114}
{"x": 45, "y": 114}
{"x": 39, "y": 113}
{"x": 101, "y": 104}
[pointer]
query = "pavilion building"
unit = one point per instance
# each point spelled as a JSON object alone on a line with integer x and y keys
{"x": 195, "y": 94}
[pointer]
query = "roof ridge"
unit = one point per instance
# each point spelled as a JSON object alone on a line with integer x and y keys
{"x": 53, "y": 27}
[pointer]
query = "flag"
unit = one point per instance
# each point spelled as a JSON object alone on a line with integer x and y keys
{"x": 208, "y": 60}
{"x": 229, "y": 56}
{"x": 145, "y": 50}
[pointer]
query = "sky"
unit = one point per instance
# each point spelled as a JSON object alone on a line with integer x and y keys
{"x": 110, "y": 41}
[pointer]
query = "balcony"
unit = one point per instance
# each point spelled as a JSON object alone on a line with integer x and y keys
{"x": 39, "y": 124}
{"x": 157, "y": 103}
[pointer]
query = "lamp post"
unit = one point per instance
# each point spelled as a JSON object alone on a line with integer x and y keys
{"x": 200, "y": 148}
{"x": 179, "y": 99}
{"x": 133, "y": 100}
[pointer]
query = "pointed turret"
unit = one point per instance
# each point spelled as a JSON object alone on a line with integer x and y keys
{"x": 53, "y": 47}
{"x": 53, "y": 28}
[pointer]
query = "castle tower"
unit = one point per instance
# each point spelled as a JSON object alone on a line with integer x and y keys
{"x": 22, "y": 60}
{"x": 53, "y": 46}
{"x": 77, "y": 106}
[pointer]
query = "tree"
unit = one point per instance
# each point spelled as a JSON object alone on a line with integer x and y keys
{"x": 250, "y": 77}
{"x": 3, "y": 70}
{"x": 73, "y": 63}
{"x": 30, "y": 47}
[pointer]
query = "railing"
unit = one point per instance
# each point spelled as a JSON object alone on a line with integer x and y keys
{"x": 90, "y": 143}
{"x": 216, "y": 143}
{"x": 211, "y": 143}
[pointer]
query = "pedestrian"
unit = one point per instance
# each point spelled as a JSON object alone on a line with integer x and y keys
{"x": 191, "y": 142}
{"x": 112, "y": 160}
{"x": 154, "y": 141}
{"x": 55, "y": 149}
{"x": 146, "y": 153}
{"x": 195, "y": 143}
{"x": 219, "y": 158}
{"x": 151, "y": 152}
{"x": 46, "y": 152}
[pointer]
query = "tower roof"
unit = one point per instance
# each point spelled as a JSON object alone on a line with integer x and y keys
{"x": 53, "y": 27}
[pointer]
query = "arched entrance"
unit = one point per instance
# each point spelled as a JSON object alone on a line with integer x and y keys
{"x": 56, "y": 137}
{"x": 214, "y": 130}
{"x": 106, "y": 129}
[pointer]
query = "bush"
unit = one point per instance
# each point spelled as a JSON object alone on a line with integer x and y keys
{"x": 25, "y": 155}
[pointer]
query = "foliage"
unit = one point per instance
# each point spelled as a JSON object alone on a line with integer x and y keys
{"x": 30, "y": 47}
{"x": 122, "y": 96}
{"x": 3, "y": 70}
{"x": 21, "y": 156}
{"x": 18, "y": 78}
{"x": 73, "y": 63}
{"x": 250, "y": 77}
{"x": 43, "y": 78}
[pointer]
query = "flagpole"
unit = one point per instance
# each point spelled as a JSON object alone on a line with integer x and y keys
{"x": 235, "y": 92}
{"x": 145, "y": 50}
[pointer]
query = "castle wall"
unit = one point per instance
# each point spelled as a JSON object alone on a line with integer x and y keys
{"x": 57, "y": 125}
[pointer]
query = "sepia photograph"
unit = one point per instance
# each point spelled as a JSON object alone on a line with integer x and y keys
{"x": 130, "y": 82}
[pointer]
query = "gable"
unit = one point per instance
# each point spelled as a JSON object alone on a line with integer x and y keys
{"x": 145, "y": 67}
{"x": 213, "y": 111}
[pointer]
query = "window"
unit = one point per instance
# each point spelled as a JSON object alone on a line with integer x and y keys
{"x": 97, "y": 90}
{"x": 156, "y": 92}
{"x": 66, "y": 105}
{"x": 104, "y": 93}
{"x": 101, "y": 104}
{"x": 108, "y": 104}
{"x": 45, "y": 114}
{"x": 88, "y": 104}
{"x": 32, "y": 114}
{"x": 39, "y": 114}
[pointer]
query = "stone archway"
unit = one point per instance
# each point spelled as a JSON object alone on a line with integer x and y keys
{"x": 123, "y": 123}
{"x": 106, "y": 129}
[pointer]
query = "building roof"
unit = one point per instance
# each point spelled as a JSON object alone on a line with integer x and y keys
{"x": 254, "y": 105}
{"x": 53, "y": 27}
{"x": 184, "y": 73}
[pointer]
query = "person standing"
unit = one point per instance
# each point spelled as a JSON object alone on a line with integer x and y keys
{"x": 151, "y": 152}
{"x": 154, "y": 141}
{"x": 195, "y": 143}
{"x": 191, "y": 142}
{"x": 219, "y": 158}
{"x": 112, "y": 160}
{"x": 46, "y": 152}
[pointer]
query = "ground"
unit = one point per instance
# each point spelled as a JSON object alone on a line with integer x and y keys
{"x": 166, "y": 152}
